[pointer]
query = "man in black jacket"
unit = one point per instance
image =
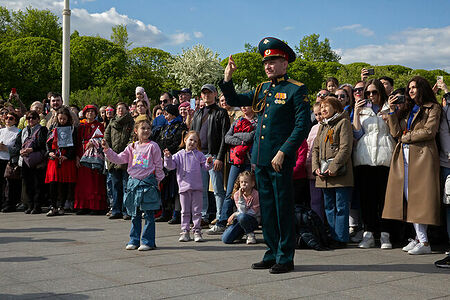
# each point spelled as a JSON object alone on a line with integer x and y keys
{"x": 212, "y": 123}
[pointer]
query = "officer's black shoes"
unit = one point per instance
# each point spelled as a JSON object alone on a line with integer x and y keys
{"x": 264, "y": 264}
{"x": 281, "y": 268}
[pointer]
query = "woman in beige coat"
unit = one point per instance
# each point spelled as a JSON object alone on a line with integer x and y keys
{"x": 334, "y": 144}
{"x": 414, "y": 173}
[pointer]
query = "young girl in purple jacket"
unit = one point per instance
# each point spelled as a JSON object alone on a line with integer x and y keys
{"x": 189, "y": 162}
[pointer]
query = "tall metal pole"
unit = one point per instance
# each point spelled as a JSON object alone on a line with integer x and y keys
{"x": 66, "y": 54}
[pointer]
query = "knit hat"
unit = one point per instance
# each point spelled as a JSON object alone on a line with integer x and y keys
{"x": 90, "y": 106}
{"x": 172, "y": 109}
{"x": 140, "y": 90}
{"x": 184, "y": 104}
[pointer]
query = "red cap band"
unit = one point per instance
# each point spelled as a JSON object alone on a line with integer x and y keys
{"x": 275, "y": 52}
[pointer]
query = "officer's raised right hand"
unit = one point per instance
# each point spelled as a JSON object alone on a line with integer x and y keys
{"x": 229, "y": 69}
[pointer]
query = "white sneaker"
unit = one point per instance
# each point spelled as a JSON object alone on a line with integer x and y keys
{"x": 384, "y": 240}
{"x": 184, "y": 237}
{"x": 215, "y": 230}
{"x": 412, "y": 243}
{"x": 251, "y": 239}
{"x": 420, "y": 248}
{"x": 144, "y": 248}
{"x": 131, "y": 247}
{"x": 368, "y": 241}
{"x": 198, "y": 237}
{"x": 357, "y": 237}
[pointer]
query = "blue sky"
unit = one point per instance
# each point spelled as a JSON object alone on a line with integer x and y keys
{"x": 411, "y": 33}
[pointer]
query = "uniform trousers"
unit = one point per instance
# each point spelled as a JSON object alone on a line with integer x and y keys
{"x": 277, "y": 212}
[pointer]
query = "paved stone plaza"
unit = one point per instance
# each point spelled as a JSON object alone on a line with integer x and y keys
{"x": 82, "y": 257}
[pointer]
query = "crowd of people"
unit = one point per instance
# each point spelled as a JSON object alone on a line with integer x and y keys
{"x": 374, "y": 159}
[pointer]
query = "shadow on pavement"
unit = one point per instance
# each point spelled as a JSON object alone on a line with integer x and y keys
{"x": 49, "y": 229}
{"x": 13, "y": 239}
{"x": 215, "y": 248}
{"x": 412, "y": 268}
{"x": 22, "y": 259}
{"x": 43, "y": 296}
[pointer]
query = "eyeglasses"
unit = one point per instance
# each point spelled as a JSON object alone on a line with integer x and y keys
{"x": 31, "y": 118}
{"x": 341, "y": 96}
{"x": 370, "y": 93}
{"x": 3, "y": 113}
{"x": 10, "y": 118}
{"x": 163, "y": 101}
{"x": 358, "y": 90}
{"x": 321, "y": 95}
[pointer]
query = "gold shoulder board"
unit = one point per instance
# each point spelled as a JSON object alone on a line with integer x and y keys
{"x": 295, "y": 82}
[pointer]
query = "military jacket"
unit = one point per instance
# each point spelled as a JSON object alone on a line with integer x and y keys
{"x": 284, "y": 119}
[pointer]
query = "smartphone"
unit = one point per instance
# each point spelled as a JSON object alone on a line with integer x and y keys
{"x": 13, "y": 91}
{"x": 370, "y": 71}
{"x": 192, "y": 103}
{"x": 368, "y": 103}
{"x": 400, "y": 99}
{"x": 440, "y": 78}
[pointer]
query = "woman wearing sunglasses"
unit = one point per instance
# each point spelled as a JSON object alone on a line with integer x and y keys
{"x": 371, "y": 158}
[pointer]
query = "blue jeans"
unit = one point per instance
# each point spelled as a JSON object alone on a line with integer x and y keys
{"x": 337, "y": 202}
{"x": 219, "y": 192}
{"x": 243, "y": 223}
{"x": 444, "y": 173}
{"x": 119, "y": 179}
{"x": 148, "y": 234}
{"x": 228, "y": 203}
{"x": 109, "y": 190}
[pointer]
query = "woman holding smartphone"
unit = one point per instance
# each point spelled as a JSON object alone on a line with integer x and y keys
{"x": 371, "y": 157}
{"x": 414, "y": 173}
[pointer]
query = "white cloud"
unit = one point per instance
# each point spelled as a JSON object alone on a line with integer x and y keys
{"x": 198, "y": 34}
{"x": 94, "y": 24}
{"x": 358, "y": 28}
{"x": 287, "y": 28}
{"x": 425, "y": 48}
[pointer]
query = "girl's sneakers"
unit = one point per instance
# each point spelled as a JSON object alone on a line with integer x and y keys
{"x": 145, "y": 248}
{"x": 198, "y": 237}
{"x": 131, "y": 247}
{"x": 184, "y": 236}
{"x": 251, "y": 239}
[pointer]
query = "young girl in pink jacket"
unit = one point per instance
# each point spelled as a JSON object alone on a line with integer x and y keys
{"x": 189, "y": 162}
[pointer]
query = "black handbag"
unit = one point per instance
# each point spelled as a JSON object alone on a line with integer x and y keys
{"x": 12, "y": 171}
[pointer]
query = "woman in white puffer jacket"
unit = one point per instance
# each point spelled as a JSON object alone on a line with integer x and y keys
{"x": 371, "y": 158}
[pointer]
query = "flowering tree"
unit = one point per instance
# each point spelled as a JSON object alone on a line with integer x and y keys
{"x": 196, "y": 67}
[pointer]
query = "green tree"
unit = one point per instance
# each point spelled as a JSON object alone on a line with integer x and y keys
{"x": 195, "y": 67}
{"x": 99, "y": 95}
{"x": 5, "y": 24}
{"x": 146, "y": 67}
{"x": 311, "y": 49}
{"x": 32, "y": 65}
{"x": 250, "y": 48}
{"x": 119, "y": 36}
{"x": 249, "y": 68}
{"x": 36, "y": 23}
{"x": 95, "y": 62}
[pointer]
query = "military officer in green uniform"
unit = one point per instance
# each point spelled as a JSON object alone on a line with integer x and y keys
{"x": 283, "y": 123}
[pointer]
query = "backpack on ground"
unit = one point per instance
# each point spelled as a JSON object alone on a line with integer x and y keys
{"x": 311, "y": 231}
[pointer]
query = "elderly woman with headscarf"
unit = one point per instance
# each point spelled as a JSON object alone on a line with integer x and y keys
{"x": 90, "y": 191}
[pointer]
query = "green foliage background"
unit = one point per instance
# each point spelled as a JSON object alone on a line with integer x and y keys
{"x": 106, "y": 71}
